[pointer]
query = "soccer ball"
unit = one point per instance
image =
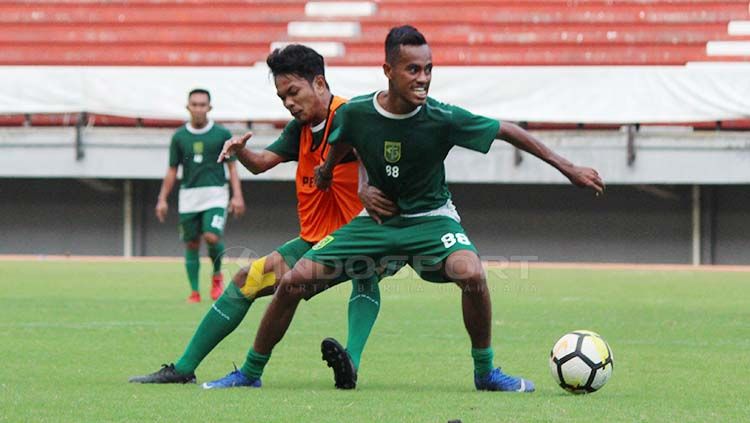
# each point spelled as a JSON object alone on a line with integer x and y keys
{"x": 581, "y": 362}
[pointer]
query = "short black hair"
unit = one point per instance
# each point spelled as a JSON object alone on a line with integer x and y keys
{"x": 200, "y": 91}
{"x": 405, "y": 35}
{"x": 296, "y": 59}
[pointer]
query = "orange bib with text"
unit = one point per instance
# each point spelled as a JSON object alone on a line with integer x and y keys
{"x": 321, "y": 213}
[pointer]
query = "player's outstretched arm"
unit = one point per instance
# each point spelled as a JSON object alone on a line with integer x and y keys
{"x": 166, "y": 187}
{"x": 254, "y": 162}
{"x": 324, "y": 172}
{"x": 584, "y": 177}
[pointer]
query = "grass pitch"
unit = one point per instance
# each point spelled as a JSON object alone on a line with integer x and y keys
{"x": 72, "y": 333}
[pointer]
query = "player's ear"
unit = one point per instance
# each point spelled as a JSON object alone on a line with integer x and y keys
{"x": 387, "y": 69}
{"x": 210, "y": 107}
{"x": 319, "y": 84}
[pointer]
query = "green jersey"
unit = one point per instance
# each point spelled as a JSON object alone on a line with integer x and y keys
{"x": 404, "y": 154}
{"x": 197, "y": 150}
{"x": 203, "y": 184}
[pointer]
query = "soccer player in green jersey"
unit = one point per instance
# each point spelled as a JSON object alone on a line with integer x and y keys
{"x": 203, "y": 195}
{"x": 403, "y": 137}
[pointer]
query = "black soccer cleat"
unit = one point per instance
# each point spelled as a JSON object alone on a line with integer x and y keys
{"x": 167, "y": 374}
{"x": 344, "y": 372}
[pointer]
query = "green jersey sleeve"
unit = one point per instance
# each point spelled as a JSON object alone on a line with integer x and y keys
{"x": 472, "y": 131}
{"x": 338, "y": 126}
{"x": 175, "y": 155}
{"x": 287, "y": 145}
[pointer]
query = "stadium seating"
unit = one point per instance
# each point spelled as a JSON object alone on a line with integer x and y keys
{"x": 351, "y": 33}
{"x": 475, "y": 32}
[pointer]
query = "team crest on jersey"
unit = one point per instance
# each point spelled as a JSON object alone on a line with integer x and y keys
{"x": 392, "y": 151}
{"x": 198, "y": 152}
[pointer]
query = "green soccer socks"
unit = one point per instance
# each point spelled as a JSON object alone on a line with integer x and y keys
{"x": 482, "y": 360}
{"x": 364, "y": 305}
{"x": 192, "y": 265}
{"x": 220, "y": 320}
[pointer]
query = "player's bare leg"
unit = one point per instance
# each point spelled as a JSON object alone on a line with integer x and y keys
{"x": 305, "y": 278}
{"x": 465, "y": 268}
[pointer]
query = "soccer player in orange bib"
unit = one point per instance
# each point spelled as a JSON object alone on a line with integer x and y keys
{"x": 300, "y": 83}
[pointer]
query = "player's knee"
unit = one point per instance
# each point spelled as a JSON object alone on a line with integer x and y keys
{"x": 472, "y": 280}
{"x": 211, "y": 238}
{"x": 465, "y": 269}
{"x": 291, "y": 287}
{"x": 193, "y": 244}
{"x": 240, "y": 277}
{"x": 255, "y": 281}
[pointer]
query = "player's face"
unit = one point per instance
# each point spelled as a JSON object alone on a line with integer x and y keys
{"x": 303, "y": 99}
{"x": 410, "y": 76}
{"x": 199, "y": 105}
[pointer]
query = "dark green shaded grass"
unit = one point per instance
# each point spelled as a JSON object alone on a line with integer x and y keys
{"x": 72, "y": 333}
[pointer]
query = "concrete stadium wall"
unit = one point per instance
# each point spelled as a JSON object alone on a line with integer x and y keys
{"x": 651, "y": 224}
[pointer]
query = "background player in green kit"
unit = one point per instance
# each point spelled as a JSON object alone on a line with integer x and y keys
{"x": 203, "y": 195}
{"x": 402, "y": 138}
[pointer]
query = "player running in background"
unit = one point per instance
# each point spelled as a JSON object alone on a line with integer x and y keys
{"x": 299, "y": 76}
{"x": 203, "y": 193}
{"x": 402, "y": 138}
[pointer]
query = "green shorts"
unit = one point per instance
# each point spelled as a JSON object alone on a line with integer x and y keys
{"x": 361, "y": 246}
{"x": 192, "y": 225}
{"x": 293, "y": 250}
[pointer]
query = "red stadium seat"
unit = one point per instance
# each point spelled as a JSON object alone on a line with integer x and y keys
{"x": 465, "y": 33}
{"x": 475, "y": 32}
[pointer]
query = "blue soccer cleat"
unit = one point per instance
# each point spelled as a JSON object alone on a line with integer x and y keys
{"x": 496, "y": 380}
{"x": 235, "y": 379}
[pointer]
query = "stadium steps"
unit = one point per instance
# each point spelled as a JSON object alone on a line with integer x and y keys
{"x": 475, "y": 32}
{"x": 370, "y": 34}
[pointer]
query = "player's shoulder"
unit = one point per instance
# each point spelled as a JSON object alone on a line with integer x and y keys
{"x": 221, "y": 129}
{"x": 293, "y": 126}
{"x": 440, "y": 109}
{"x": 181, "y": 131}
{"x": 359, "y": 103}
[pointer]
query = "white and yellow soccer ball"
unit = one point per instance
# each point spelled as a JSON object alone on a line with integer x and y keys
{"x": 581, "y": 362}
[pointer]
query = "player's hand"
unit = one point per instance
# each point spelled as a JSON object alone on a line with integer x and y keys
{"x": 585, "y": 177}
{"x": 233, "y": 146}
{"x": 161, "y": 210}
{"x": 376, "y": 203}
{"x": 323, "y": 179}
{"x": 237, "y": 206}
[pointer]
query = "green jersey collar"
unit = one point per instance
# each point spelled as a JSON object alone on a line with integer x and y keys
{"x": 201, "y": 131}
{"x": 389, "y": 115}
